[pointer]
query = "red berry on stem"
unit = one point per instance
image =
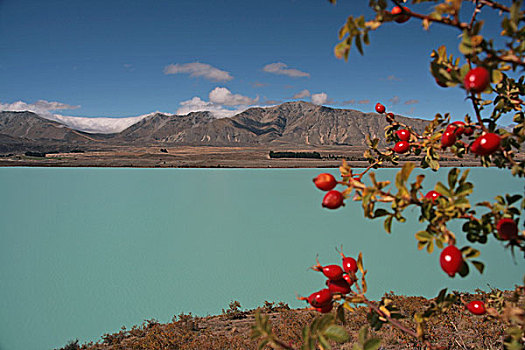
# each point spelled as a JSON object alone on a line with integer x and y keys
{"x": 402, "y": 147}
{"x": 320, "y": 298}
{"x": 486, "y": 144}
{"x": 457, "y": 127}
{"x": 333, "y": 272}
{"x": 401, "y": 18}
{"x": 477, "y": 307}
{"x": 448, "y": 139}
{"x": 468, "y": 131}
{"x": 477, "y": 79}
{"x": 403, "y": 134}
{"x": 474, "y": 146}
{"x": 333, "y": 199}
{"x": 433, "y": 195}
{"x": 325, "y": 308}
{"x": 349, "y": 264}
{"x": 348, "y": 279}
{"x": 340, "y": 286}
{"x": 325, "y": 181}
{"x": 507, "y": 229}
{"x": 380, "y": 108}
{"x": 451, "y": 260}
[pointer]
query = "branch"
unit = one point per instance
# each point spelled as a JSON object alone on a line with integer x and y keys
{"x": 494, "y": 5}
{"x": 478, "y": 113}
{"x": 475, "y": 13}
{"x": 447, "y": 21}
{"x": 509, "y": 58}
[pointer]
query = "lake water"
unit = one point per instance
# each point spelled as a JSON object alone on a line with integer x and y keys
{"x": 84, "y": 252}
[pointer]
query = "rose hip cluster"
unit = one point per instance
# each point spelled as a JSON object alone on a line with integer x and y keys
{"x": 486, "y": 144}
{"x": 339, "y": 282}
{"x": 451, "y": 258}
{"x": 326, "y": 182}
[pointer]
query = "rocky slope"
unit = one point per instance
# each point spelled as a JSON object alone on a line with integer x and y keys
{"x": 291, "y": 123}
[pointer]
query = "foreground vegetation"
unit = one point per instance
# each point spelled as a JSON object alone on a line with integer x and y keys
{"x": 457, "y": 329}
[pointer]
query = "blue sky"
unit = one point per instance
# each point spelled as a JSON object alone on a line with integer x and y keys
{"x": 110, "y": 58}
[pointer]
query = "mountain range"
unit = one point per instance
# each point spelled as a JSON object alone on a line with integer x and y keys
{"x": 288, "y": 124}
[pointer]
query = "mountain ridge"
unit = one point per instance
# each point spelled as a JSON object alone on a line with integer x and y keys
{"x": 290, "y": 123}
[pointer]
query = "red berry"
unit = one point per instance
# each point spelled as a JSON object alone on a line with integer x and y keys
{"x": 477, "y": 79}
{"x": 380, "y": 108}
{"x": 333, "y": 199}
{"x": 325, "y": 308}
{"x": 433, "y": 195}
{"x": 474, "y": 146}
{"x": 340, "y": 286}
{"x": 451, "y": 260}
{"x": 458, "y": 128}
{"x": 468, "y": 131}
{"x": 333, "y": 272}
{"x": 448, "y": 139}
{"x": 389, "y": 117}
{"x": 401, "y": 147}
{"x": 348, "y": 279}
{"x": 401, "y": 18}
{"x": 486, "y": 144}
{"x": 325, "y": 181}
{"x": 320, "y": 298}
{"x": 507, "y": 229}
{"x": 477, "y": 307}
{"x": 403, "y": 134}
{"x": 349, "y": 264}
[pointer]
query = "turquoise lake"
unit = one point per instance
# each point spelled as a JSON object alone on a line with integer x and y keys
{"x": 84, "y": 252}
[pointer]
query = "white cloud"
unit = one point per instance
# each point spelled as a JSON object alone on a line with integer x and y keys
{"x": 223, "y": 96}
{"x": 395, "y": 100}
{"x": 97, "y": 125}
{"x": 40, "y": 107}
{"x": 320, "y": 98}
{"x": 281, "y": 68}
{"x": 93, "y": 125}
{"x": 411, "y": 102}
{"x": 197, "y": 69}
{"x": 302, "y": 94}
{"x": 220, "y": 102}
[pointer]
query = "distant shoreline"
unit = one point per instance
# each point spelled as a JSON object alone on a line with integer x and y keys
{"x": 208, "y": 157}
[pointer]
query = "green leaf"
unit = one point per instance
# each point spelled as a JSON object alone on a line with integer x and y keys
{"x": 464, "y": 270}
{"x": 442, "y": 189}
{"x": 430, "y": 247}
{"x": 469, "y": 252}
{"x": 496, "y": 76}
{"x": 464, "y": 177}
{"x": 340, "y": 314}
{"x": 358, "y": 44}
{"x": 388, "y": 224}
{"x": 324, "y": 343}
{"x": 325, "y": 321}
{"x": 372, "y": 344}
{"x": 380, "y": 212}
{"x": 453, "y": 177}
{"x": 336, "y": 333}
{"x": 479, "y": 266}
{"x": 263, "y": 343}
{"x": 513, "y": 199}
{"x": 363, "y": 334}
{"x": 424, "y": 236}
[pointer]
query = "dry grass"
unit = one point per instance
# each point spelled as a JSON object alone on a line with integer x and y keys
{"x": 455, "y": 330}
